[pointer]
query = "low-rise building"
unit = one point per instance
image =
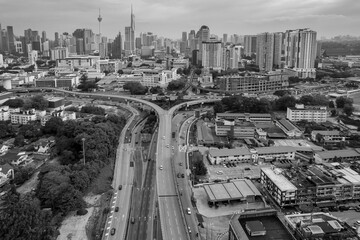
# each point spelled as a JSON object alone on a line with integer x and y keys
{"x": 259, "y": 224}
{"x": 289, "y": 128}
{"x": 337, "y": 156}
{"x": 64, "y": 115}
{"x": 320, "y": 226}
{"x": 6, "y": 173}
{"x": 279, "y": 187}
{"x": 23, "y": 117}
{"x": 251, "y": 117}
{"x": 309, "y": 113}
{"x": 4, "y": 113}
{"x": 328, "y": 136}
{"x": 235, "y": 129}
{"x": 217, "y": 156}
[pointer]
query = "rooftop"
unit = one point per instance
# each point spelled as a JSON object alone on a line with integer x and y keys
{"x": 214, "y": 152}
{"x": 278, "y": 179}
{"x": 238, "y": 189}
{"x": 287, "y": 124}
{"x": 326, "y": 133}
{"x": 338, "y": 153}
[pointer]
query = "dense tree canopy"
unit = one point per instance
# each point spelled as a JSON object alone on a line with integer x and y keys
{"x": 341, "y": 101}
{"x": 135, "y": 88}
{"x": 176, "y": 85}
{"x": 14, "y": 103}
{"x": 93, "y": 110}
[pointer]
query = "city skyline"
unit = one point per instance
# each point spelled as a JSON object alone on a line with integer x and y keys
{"x": 327, "y": 17}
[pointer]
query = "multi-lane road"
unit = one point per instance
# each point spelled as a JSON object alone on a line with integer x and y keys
{"x": 173, "y": 225}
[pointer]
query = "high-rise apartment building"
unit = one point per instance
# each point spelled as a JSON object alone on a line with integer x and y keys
{"x": 184, "y": 36}
{"x": 265, "y": 51}
{"x": 57, "y": 38}
{"x": 1, "y": 40}
{"x": 269, "y": 48}
{"x": 11, "y": 39}
{"x": 300, "y": 51}
{"x": 249, "y": 45}
{"x": 212, "y": 54}
{"x": 225, "y": 38}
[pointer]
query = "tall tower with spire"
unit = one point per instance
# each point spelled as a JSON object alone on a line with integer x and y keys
{"x": 129, "y": 43}
{"x": 99, "y": 19}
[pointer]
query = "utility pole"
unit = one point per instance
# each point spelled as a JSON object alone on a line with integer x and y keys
{"x": 83, "y": 141}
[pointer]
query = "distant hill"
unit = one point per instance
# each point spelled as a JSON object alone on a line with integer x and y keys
{"x": 341, "y": 48}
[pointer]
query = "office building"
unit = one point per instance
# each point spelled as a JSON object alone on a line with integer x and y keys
{"x": 11, "y": 39}
{"x": 212, "y": 54}
{"x": 300, "y": 52}
{"x": 57, "y": 39}
{"x": 203, "y": 35}
{"x": 33, "y": 57}
{"x": 309, "y": 113}
{"x": 249, "y": 45}
{"x": 225, "y": 38}
{"x": 117, "y": 47}
{"x": 43, "y": 36}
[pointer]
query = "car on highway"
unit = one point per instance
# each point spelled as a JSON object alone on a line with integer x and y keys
{"x": 161, "y": 167}
{"x": 132, "y": 220}
{"x": 163, "y": 137}
{"x": 189, "y": 229}
{"x": 112, "y": 231}
{"x": 116, "y": 209}
{"x": 180, "y": 163}
{"x": 188, "y": 211}
{"x": 182, "y": 175}
{"x": 120, "y": 187}
{"x": 167, "y": 145}
{"x": 173, "y": 147}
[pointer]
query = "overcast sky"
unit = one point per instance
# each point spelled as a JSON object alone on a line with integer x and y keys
{"x": 169, "y": 18}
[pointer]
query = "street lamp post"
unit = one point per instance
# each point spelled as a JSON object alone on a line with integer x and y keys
{"x": 83, "y": 141}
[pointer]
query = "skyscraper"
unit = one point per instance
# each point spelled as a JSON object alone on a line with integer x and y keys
{"x": 265, "y": 51}
{"x": 43, "y": 36}
{"x": 203, "y": 35}
{"x": 225, "y": 38}
{"x": 184, "y": 36}
{"x": 1, "y": 42}
{"x": 300, "y": 51}
{"x": 56, "y": 39}
{"x": 11, "y": 39}
{"x": 129, "y": 43}
{"x": 117, "y": 47}
{"x": 249, "y": 45}
{"x": 211, "y": 54}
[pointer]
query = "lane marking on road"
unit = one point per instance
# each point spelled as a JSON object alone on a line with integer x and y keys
{"x": 108, "y": 228}
{"x": 110, "y": 216}
{"x": 106, "y": 234}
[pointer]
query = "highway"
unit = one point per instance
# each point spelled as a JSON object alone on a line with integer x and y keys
{"x": 122, "y": 177}
{"x": 173, "y": 226}
{"x": 143, "y": 196}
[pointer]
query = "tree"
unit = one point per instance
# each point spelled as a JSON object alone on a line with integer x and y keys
{"x": 341, "y": 101}
{"x": 219, "y": 107}
{"x": 179, "y": 71}
{"x": 135, "y": 88}
{"x": 52, "y": 125}
{"x": 39, "y": 102}
{"x": 176, "y": 85}
{"x": 331, "y": 104}
{"x": 93, "y": 110}
{"x": 106, "y": 72}
{"x": 284, "y": 102}
{"x": 156, "y": 90}
{"x": 2, "y": 89}
{"x": 120, "y": 72}
{"x": 72, "y": 109}
{"x": 197, "y": 71}
{"x": 348, "y": 109}
{"x": 281, "y": 93}
{"x": 199, "y": 167}
{"x": 24, "y": 220}
{"x": 23, "y": 174}
{"x": 19, "y": 140}
{"x": 14, "y": 103}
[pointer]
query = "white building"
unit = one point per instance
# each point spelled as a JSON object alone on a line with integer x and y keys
{"x": 309, "y": 113}
{"x": 59, "y": 53}
{"x": 4, "y": 113}
{"x": 23, "y": 117}
{"x": 281, "y": 189}
{"x": 33, "y": 57}
{"x": 64, "y": 115}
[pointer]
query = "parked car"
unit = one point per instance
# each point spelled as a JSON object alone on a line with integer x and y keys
{"x": 188, "y": 211}
{"x": 120, "y": 187}
{"x": 116, "y": 209}
{"x": 132, "y": 220}
{"x": 112, "y": 231}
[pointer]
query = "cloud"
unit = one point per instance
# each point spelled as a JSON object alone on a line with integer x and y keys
{"x": 170, "y": 17}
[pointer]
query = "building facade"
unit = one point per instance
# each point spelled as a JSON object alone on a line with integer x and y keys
{"x": 309, "y": 113}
